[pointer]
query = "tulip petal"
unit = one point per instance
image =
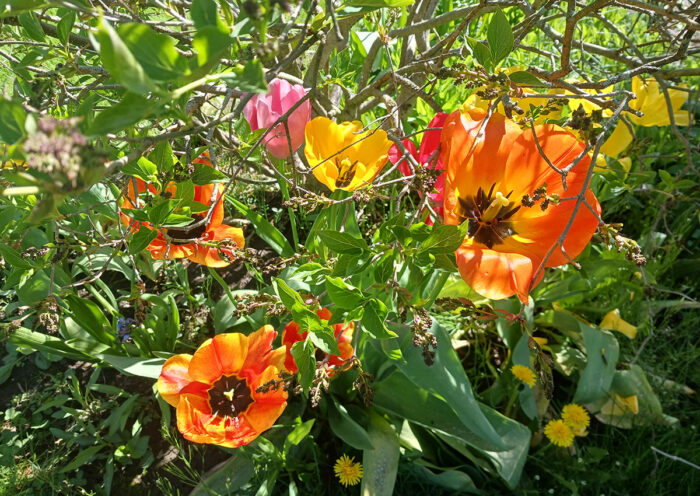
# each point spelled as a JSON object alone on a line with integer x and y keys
{"x": 496, "y": 275}
{"x": 538, "y": 233}
{"x": 259, "y": 345}
{"x": 526, "y": 169}
{"x": 474, "y": 154}
{"x": 160, "y": 249}
{"x": 397, "y": 156}
{"x": 173, "y": 377}
{"x": 431, "y": 141}
{"x": 231, "y": 237}
{"x": 224, "y": 354}
{"x": 616, "y": 143}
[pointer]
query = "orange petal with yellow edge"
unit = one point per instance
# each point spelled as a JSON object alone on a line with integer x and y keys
{"x": 259, "y": 345}
{"x": 173, "y": 377}
{"x": 224, "y": 354}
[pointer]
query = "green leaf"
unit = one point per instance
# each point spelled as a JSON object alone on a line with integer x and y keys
{"x": 303, "y": 353}
{"x": 155, "y": 52}
{"x": 481, "y": 53}
{"x": 381, "y": 463}
{"x": 398, "y": 395}
{"x": 266, "y": 231}
{"x": 13, "y": 7}
{"x": 142, "y": 367}
{"x": 323, "y": 340}
{"x": 452, "y": 480}
{"x": 25, "y": 338}
{"x": 342, "y": 294}
{"x": 524, "y": 77}
{"x": 143, "y": 168}
{"x": 130, "y": 110}
{"x": 204, "y": 174}
{"x": 159, "y": 214}
{"x": 36, "y": 288}
{"x": 602, "y": 352}
{"x": 373, "y": 320}
{"x": 500, "y": 36}
{"x": 250, "y": 78}
{"x": 379, "y": 3}
{"x": 210, "y": 44}
{"x": 227, "y": 477}
{"x": 12, "y": 119}
{"x": 14, "y": 258}
{"x": 163, "y": 157}
{"x": 65, "y": 26}
{"x": 444, "y": 239}
{"x": 446, "y": 379}
{"x": 288, "y": 296}
{"x": 142, "y": 239}
{"x": 89, "y": 317}
{"x": 298, "y": 434}
{"x": 84, "y": 456}
{"x": 120, "y": 62}
{"x": 31, "y": 24}
{"x": 203, "y": 13}
{"x": 341, "y": 242}
{"x": 343, "y": 426}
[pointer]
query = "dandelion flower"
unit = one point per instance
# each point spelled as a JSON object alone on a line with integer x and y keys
{"x": 348, "y": 471}
{"x": 524, "y": 374}
{"x": 576, "y": 417}
{"x": 559, "y": 433}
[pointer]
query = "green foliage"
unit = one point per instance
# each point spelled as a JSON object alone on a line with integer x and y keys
{"x": 426, "y": 398}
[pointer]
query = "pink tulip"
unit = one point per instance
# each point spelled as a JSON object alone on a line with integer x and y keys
{"x": 262, "y": 111}
{"x": 427, "y": 157}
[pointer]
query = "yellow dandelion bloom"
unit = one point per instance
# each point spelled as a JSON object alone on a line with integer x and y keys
{"x": 524, "y": 374}
{"x": 348, "y": 471}
{"x": 559, "y": 433}
{"x": 576, "y": 417}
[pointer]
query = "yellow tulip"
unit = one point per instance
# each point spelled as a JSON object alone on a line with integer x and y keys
{"x": 524, "y": 102}
{"x": 652, "y": 102}
{"x": 343, "y": 157}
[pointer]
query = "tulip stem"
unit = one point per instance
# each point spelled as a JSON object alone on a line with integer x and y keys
{"x": 284, "y": 189}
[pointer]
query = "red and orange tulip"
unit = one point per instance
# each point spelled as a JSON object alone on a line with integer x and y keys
{"x": 490, "y": 167}
{"x": 343, "y": 335}
{"x": 215, "y": 391}
{"x": 203, "y": 245}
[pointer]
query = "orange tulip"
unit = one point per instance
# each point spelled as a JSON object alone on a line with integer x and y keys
{"x": 343, "y": 336}
{"x": 215, "y": 391}
{"x": 203, "y": 245}
{"x": 490, "y": 168}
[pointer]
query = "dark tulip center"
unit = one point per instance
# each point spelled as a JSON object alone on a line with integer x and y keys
{"x": 229, "y": 396}
{"x": 488, "y": 216}
{"x": 182, "y": 235}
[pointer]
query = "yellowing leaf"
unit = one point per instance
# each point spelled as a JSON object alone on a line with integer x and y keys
{"x": 619, "y": 405}
{"x": 613, "y": 322}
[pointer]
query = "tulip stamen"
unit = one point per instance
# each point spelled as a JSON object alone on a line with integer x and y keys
{"x": 346, "y": 172}
{"x": 494, "y": 208}
{"x": 487, "y": 215}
